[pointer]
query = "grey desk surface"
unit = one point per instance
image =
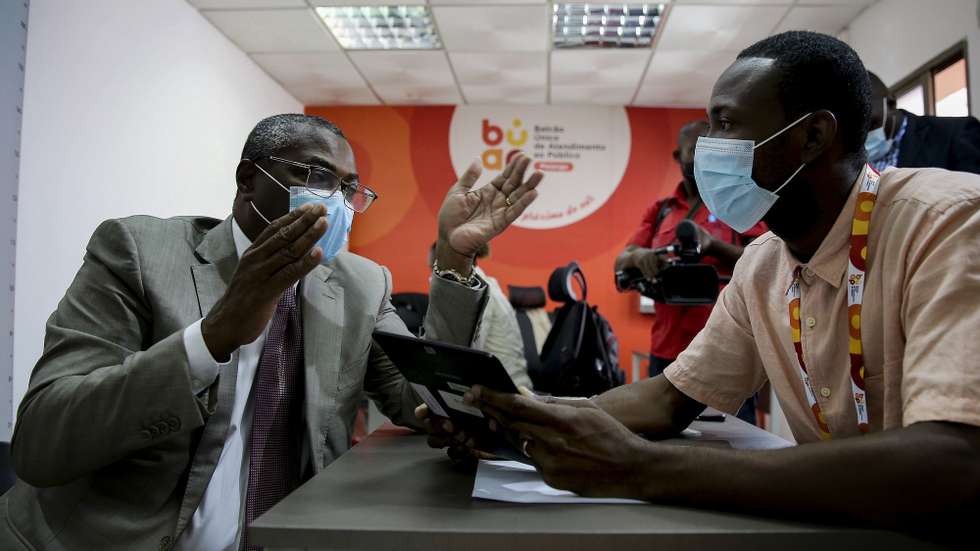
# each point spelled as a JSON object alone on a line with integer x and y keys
{"x": 393, "y": 492}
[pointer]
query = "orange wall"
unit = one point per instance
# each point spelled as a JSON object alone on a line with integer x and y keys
{"x": 403, "y": 154}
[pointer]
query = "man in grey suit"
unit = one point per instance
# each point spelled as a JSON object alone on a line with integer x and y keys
{"x": 198, "y": 370}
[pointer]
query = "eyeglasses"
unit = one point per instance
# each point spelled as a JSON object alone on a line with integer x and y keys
{"x": 323, "y": 182}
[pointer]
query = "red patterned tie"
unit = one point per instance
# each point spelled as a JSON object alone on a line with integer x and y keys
{"x": 275, "y": 442}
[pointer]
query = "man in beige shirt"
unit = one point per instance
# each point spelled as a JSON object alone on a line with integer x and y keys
{"x": 916, "y": 464}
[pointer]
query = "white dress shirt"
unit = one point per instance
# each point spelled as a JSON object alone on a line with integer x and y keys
{"x": 217, "y": 523}
{"x": 500, "y": 335}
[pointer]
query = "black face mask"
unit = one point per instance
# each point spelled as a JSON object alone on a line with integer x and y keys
{"x": 687, "y": 170}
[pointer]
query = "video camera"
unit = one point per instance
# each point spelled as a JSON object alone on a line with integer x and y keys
{"x": 685, "y": 281}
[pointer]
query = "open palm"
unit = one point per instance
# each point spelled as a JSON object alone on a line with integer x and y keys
{"x": 469, "y": 218}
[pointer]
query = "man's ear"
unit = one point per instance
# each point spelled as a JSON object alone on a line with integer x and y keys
{"x": 245, "y": 178}
{"x": 677, "y": 155}
{"x": 821, "y": 131}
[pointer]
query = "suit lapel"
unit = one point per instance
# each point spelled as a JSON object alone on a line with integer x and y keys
{"x": 323, "y": 316}
{"x": 219, "y": 258}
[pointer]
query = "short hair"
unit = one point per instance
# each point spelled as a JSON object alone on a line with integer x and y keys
{"x": 817, "y": 71}
{"x": 701, "y": 126}
{"x": 277, "y": 133}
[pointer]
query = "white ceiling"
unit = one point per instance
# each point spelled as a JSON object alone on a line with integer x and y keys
{"x": 498, "y": 52}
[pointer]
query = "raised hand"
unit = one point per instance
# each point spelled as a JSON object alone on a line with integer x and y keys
{"x": 282, "y": 255}
{"x": 469, "y": 218}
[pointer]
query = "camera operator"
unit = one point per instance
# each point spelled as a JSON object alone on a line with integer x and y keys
{"x": 675, "y": 326}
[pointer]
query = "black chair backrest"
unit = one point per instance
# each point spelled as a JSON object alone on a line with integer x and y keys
{"x": 561, "y": 284}
{"x": 411, "y": 308}
{"x": 580, "y": 357}
{"x": 524, "y": 299}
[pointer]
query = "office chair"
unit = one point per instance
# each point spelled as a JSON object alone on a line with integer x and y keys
{"x": 411, "y": 308}
{"x": 533, "y": 321}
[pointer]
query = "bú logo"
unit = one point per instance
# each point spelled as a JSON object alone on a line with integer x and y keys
{"x": 493, "y": 157}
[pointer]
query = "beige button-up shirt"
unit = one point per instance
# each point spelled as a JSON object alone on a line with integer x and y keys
{"x": 920, "y": 319}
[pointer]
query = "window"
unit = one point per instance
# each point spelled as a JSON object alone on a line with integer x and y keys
{"x": 951, "y": 90}
{"x": 940, "y": 87}
{"x": 913, "y": 100}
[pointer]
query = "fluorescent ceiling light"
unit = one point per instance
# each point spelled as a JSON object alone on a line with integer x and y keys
{"x": 382, "y": 27}
{"x": 605, "y": 25}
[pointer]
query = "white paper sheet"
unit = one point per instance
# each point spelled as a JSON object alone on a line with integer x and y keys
{"x": 520, "y": 483}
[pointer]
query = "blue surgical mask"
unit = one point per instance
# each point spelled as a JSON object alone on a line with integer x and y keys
{"x": 877, "y": 144}
{"x": 723, "y": 171}
{"x": 340, "y": 218}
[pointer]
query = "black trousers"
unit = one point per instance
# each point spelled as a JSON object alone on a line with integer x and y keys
{"x": 746, "y": 413}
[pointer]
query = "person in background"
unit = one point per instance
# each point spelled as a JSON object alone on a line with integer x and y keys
{"x": 860, "y": 308}
{"x": 674, "y": 327}
{"x": 499, "y": 332}
{"x": 198, "y": 370}
{"x": 900, "y": 139}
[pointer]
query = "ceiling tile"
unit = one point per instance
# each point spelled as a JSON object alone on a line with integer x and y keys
{"x": 292, "y": 30}
{"x": 246, "y": 4}
{"x": 506, "y": 77}
{"x": 330, "y": 94}
{"x": 484, "y": 2}
{"x": 318, "y": 3}
{"x": 398, "y": 94}
{"x": 736, "y": 2}
{"x": 773, "y": 2}
{"x": 598, "y": 67}
{"x": 596, "y": 76}
{"x": 494, "y": 95}
{"x": 824, "y": 19}
{"x": 493, "y": 28}
{"x": 317, "y": 78}
{"x": 505, "y": 68}
{"x": 718, "y": 28}
{"x": 408, "y": 76}
{"x": 309, "y": 68}
{"x": 861, "y": 3}
{"x": 682, "y": 78}
{"x": 592, "y": 94}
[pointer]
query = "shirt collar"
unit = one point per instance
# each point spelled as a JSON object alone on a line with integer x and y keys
{"x": 242, "y": 241}
{"x": 829, "y": 263}
{"x": 680, "y": 194}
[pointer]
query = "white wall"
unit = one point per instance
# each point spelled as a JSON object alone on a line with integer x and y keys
{"x": 896, "y": 37}
{"x": 130, "y": 107}
{"x": 13, "y": 43}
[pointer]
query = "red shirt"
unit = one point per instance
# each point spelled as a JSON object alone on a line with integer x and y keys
{"x": 674, "y": 327}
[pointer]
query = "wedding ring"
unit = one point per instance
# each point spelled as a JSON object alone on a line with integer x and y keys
{"x": 524, "y": 447}
{"x": 508, "y": 201}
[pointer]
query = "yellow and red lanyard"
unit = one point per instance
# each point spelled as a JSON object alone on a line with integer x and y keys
{"x": 856, "y": 267}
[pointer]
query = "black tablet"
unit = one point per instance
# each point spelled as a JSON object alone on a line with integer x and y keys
{"x": 441, "y": 373}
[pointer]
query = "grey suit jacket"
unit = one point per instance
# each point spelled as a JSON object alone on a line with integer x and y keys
{"x": 113, "y": 450}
